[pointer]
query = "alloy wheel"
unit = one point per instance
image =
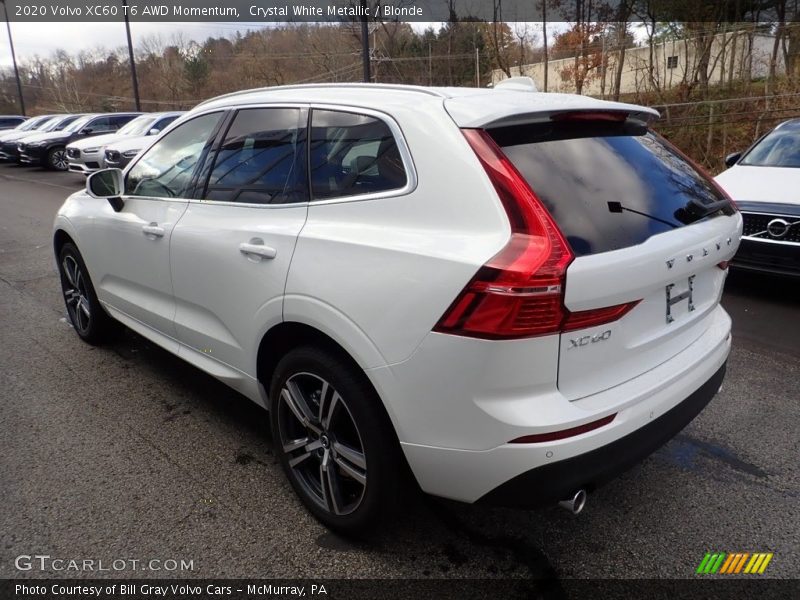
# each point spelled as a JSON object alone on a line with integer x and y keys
{"x": 75, "y": 294}
{"x": 322, "y": 444}
{"x": 58, "y": 159}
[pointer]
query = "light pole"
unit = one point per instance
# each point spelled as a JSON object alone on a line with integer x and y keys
{"x": 365, "y": 58}
{"x": 14, "y": 60}
{"x": 134, "y": 79}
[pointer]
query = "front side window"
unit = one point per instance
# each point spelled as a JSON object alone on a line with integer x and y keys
{"x": 165, "y": 171}
{"x": 353, "y": 154}
{"x": 100, "y": 125}
{"x": 262, "y": 159}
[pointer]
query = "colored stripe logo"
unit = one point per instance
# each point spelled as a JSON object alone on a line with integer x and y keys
{"x": 734, "y": 563}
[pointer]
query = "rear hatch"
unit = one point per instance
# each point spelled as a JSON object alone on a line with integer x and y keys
{"x": 646, "y": 228}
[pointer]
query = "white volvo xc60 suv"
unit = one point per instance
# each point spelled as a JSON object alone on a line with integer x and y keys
{"x": 515, "y": 294}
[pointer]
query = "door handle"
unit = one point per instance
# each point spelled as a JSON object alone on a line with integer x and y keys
{"x": 153, "y": 230}
{"x": 257, "y": 248}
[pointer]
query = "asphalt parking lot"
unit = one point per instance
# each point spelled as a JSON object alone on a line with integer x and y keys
{"x": 126, "y": 452}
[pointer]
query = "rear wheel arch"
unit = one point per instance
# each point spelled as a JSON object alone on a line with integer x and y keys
{"x": 285, "y": 337}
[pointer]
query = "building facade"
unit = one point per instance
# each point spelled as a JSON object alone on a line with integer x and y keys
{"x": 737, "y": 55}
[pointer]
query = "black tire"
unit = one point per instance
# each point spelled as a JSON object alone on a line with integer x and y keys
{"x": 88, "y": 317}
{"x": 359, "y": 507}
{"x": 57, "y": 159}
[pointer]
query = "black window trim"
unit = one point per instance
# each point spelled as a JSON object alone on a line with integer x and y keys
{"x": 210, "y": 158}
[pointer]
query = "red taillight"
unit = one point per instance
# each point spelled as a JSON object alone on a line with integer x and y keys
{"x": 597, "y": 316}
{"x": 520, "y": 292}
{"x": 724, "y": 264}
{"x": 564, "y": 433}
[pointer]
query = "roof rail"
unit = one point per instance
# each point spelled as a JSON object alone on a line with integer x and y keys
{"x": 518, "y": 84}
{"x": 385, "y": 86}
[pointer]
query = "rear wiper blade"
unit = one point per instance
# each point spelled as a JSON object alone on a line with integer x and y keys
{"x": 617, "y": 207}
{"x": 702, "y": 209}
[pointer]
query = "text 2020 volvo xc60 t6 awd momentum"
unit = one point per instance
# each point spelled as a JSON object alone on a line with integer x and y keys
{"x": 514, "y": 294}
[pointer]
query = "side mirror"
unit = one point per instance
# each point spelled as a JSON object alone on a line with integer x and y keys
{"x": 87, "y": 131}
{"x": 154, "y": 131}
{"x": 107, "y": 184}
{"x": 732, "y": 159}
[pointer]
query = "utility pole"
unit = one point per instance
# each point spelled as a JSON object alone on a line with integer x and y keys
{"x": 14, "y": 60}
{"x": 365, "y": 58}
{"x": 430, "y": 65}
{"x": 477, "y": 68}
{"x": 134, "y": 79}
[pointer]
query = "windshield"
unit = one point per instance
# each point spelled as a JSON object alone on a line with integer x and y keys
{"x": 139, "y": 126}
{"x": 26, "y": 125}
{"x": 42, "y": 124}
{"x": 65, "y": 122}
{"x": 779, "y": 148}
{"x": 78, "y": 124}
{"x": 59, "y": 123}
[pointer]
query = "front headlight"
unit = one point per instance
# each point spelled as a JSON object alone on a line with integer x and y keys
{"x": 130, "y": 153}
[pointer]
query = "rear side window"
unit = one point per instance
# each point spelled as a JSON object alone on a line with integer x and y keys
{"x": 101, "y": 124}
{"x": 262, "y": 159}
{"x": 353, "y": 154}
{"x": 609, "y": 185}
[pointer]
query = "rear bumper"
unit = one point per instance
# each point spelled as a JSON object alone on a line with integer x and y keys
{"x": 556, "y": 481}
{"x": 466, "y": 455}
{"x": 768, "y": 256}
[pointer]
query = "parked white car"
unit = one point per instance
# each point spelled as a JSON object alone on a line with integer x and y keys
{"x": 87, "y": 155}
{"x": 121, "y": 152}
{"x": 514, "y": 293}
{"x": 765, "y": 183}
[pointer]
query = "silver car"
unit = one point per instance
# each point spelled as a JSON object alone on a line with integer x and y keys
{"x": 86, "y": 156}
{"x": 119, "y": 153}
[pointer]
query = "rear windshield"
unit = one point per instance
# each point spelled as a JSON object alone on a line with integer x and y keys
{"x": 609, "y": 185}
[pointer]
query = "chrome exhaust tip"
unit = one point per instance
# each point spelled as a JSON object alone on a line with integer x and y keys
{"x": 575, "y": 503}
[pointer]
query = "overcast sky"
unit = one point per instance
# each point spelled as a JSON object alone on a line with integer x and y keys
{"x": 43, "y": 39}
{"x": 31, "y": 39}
